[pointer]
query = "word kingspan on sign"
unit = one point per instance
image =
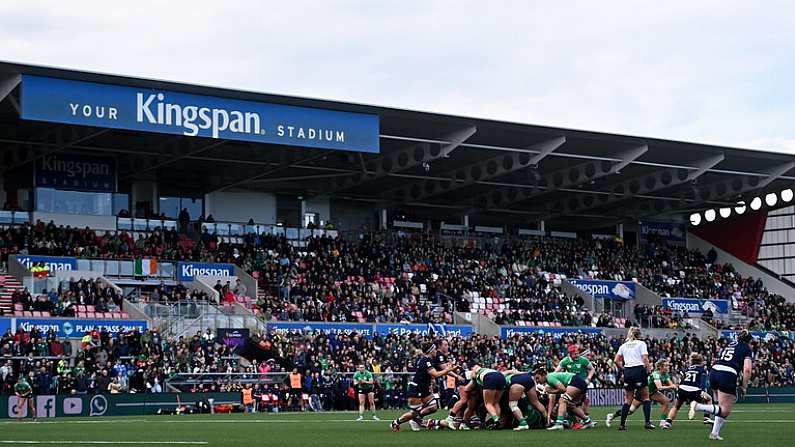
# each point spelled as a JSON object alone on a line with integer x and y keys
{"x": 121, "y": 107}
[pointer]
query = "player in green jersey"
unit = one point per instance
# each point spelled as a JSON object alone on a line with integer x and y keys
{"x": 659, "y": 381}
{"x": 365, "y": 389}
{"x": 572, "y": 389}
{"x": 24, "y": 393}
{"x": 493, "y": 384}
{"x": 578, "y": 364}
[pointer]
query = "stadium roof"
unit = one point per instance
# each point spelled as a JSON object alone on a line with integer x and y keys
{"x": 433, "y": 165}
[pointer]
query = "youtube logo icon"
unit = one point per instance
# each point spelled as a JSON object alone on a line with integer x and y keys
{"x": 73, "y": 406}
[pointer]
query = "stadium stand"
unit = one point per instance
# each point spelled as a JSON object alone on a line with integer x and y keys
{"x": 419, "y": 279}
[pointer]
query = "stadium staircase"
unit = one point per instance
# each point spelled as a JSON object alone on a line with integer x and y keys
{"x": 8, "y": 285}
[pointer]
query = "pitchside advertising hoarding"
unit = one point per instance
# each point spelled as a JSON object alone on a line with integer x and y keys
{"x": 163, "y": 111}
{"x": 78, "y": 327}
{"x": 424, "y": 329}
{"x": 76, "y": 172}
{"x": 52, "y": 262}
{"x": 556, "y": 332}
{"x": 369, "y": 330}
{"x": 130, "y": 404}
{"x": 187, "y": 271}
{"x": 613, "y": 290}
{"x": 696, "y": 306}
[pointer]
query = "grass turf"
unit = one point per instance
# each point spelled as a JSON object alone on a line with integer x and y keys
{"x": 750, "y": 426}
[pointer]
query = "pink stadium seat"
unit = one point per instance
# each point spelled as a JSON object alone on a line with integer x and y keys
{"x": 36, "y": 313}
{"x": 45, "y": 314}
{"x": 91, "y": 315}
{"x": 90, "y": 308}
{"x": 116, "y": 315}
{"x": 18, "y": 307}
{"x": 81, "y": 308}
{"x": 125, "y": 315}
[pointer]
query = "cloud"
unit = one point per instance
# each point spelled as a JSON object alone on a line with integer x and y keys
{"x": 712, "y": 71}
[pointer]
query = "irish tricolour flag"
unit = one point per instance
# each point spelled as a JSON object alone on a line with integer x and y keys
{"x": 145, "y": 267}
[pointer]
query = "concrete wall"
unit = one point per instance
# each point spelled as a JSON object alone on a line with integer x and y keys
{"x": 248, "y": 281}
{"x": 646, "y": 296}
{"x": 79, "y": 221}
{"x": 773, "y": 285}
{"x": 572, "y": 290}
{"x": 234, "y": 206}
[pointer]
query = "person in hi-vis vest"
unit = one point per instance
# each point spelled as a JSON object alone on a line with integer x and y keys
{"x": 296, "y": 390}
{"x": 249, "y": 405}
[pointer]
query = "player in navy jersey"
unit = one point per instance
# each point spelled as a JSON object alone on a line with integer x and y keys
{"x": 691, "y": 389}
{"x": 734, "y": 359}
{"x": 420, "y": 398}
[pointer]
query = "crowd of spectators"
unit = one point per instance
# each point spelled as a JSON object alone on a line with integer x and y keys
{"x": 135, "y": 362}
{"x": 142, "y": 362}
{"x": 63, "y": 300}
{"x": 418, "y": 278}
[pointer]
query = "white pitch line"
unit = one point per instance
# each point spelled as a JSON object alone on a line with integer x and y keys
{"x": 3, "y": 441}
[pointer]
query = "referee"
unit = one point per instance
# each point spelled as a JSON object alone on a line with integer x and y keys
{"x": 633, "y": 356}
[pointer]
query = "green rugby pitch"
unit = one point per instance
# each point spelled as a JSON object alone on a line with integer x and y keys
{"x": 750, "y": 426}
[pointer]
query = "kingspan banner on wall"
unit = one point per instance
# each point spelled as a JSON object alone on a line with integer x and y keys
{"x": 186, "y": 271}
{"x": 78, "y": 327}
{"x": 669, "y": 231}
{"x": 696, "y": 306}
{"x": 53, "y": 263}
{"x": 765, "y": 335}
{"x": 614, "y": 290}
{"x": 162, "y": 111}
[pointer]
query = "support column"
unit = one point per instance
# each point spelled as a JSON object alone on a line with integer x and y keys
{"x": 542, "y": 226}
{"x": 465, "y": 221}
{"x": 382, "y": 219}
{"x": 3, "y": 198}
{"x": 303, "y": 213}
{"x": 620, "y": 230}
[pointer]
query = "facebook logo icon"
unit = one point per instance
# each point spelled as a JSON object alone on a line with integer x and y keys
{"x": 45, "y": 406}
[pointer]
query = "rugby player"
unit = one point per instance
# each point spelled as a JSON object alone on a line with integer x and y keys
{"x": 24, "y": 393}
{"x": 420, "y": 399}
{"x": 572, "y": 389}
{"x": 734, "y": 358}
{"x": 521, "y": 384}
{"x": 691, "y": 389}
{"x": 493, "y": 384}
{"x": 578, "y": 364}
{"x": 364, "y": 383}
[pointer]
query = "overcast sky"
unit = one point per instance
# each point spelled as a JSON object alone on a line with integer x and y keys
{"x": 710, "y": 71}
